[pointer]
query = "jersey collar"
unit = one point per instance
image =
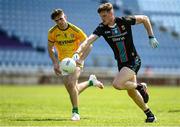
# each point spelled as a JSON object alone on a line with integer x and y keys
{"x": 64, "y": 29}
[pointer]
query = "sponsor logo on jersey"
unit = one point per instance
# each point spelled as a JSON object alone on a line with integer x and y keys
{"x": 65, "y": 42}
{"x": 107, "y": 32}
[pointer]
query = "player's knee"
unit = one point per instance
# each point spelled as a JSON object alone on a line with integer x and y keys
{"x": 71, "y": 88}
{"x": 71, "y": 83}
{"x": 117, "y": 85}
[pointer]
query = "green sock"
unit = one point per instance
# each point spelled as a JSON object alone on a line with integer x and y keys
{"x": 90, "y": 83}
{"x": 75, "y": 110}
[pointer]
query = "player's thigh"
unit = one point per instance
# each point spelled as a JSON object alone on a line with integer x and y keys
{"x": 125, "y": 74}
{"x": 69, "y": 83}
{"x": 75, "y": 76}
{"x": 71, "y": 80}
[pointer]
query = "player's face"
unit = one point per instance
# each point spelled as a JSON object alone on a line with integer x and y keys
{"x": 61, "y": 20}
{"x": 106, "y": 17}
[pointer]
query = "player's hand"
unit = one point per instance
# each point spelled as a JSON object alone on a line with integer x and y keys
{"x": 57, "y": 69}
{"x": 75, "y": 57}
{"x": 153, "y": 42}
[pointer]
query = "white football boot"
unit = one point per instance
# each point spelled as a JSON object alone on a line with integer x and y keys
{"x": 75, "y": 117}
{"x": 95, "y": 81}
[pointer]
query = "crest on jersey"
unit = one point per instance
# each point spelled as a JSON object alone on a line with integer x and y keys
{"x": 65, "y": 35}
{"x": 72, "y": 35}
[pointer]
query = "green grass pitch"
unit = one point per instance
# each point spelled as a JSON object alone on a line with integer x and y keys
{"x": 49, "y": 105}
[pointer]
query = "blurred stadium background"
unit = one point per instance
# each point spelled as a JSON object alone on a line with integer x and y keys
{"x": 23, "y": 39}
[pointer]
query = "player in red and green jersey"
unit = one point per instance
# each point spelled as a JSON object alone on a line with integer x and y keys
{"x": 117, "y": 33}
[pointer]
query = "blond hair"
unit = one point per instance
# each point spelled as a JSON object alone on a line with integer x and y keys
{"x": 105, "y": 7}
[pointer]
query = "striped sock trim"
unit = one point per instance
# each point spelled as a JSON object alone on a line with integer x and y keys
{"x": 90, "y": 83}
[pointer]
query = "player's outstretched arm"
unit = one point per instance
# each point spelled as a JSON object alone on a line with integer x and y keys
{"x": 147, "y": 24}
{"x": 87, "y": 43}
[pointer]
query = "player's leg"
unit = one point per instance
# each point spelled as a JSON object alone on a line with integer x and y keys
{"x": 73, "y": 88}
{"x": 122, "y": 80}
{"x": 137, "y": 98}
{"x": 70, "y": 85}
{"x": 83, "y": 85}
{"x": 92, "y": 79}
{"x": 127, "y": 80}
{"x": 141, "y": 87}
{"x": 125, "y": 75}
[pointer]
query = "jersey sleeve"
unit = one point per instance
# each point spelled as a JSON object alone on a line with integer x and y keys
{"x": 130, "y": 20}
{"x": 98, "y": 31}
{"x": 50, "y": 37}
{"x": 79, "y": 32}
{"x": 82, "y": 35}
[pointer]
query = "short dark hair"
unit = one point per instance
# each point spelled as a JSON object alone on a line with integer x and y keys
{"x": 105, "y": 7}
{"x": 55, "y": 13}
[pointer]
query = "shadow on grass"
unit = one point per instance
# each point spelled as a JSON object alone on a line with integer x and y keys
{"x": 175, "y": 110}
{"x": 44, "y": 119}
